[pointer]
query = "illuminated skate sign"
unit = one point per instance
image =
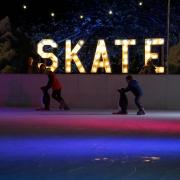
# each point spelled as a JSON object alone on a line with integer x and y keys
{"x": 101, "y": 58}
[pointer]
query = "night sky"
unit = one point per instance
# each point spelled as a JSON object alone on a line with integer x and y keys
{"x": 41, "y": 10}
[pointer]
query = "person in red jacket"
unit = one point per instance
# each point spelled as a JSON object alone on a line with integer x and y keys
{"x": 56, "y": 86}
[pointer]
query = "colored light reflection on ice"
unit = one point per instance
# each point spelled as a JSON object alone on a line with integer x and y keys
{"x": 80, "y": 147}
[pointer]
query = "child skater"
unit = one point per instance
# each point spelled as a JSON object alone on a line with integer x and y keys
{"x": 56, "y": 86}
{"x": 137, "y": 91}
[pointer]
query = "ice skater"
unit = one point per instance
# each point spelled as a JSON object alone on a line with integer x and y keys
{"x": 56, "y": 86}
{"x": 135, "y": 88}
{"x": 123, "y": 102}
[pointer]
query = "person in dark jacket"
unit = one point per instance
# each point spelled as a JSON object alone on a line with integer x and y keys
{"x": 135, "y": 88}
{"x": 56, "y": 86}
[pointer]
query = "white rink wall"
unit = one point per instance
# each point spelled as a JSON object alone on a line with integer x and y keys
{"x": 161, "y": 92}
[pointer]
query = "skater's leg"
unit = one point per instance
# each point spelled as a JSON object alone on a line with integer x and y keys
{"x": 139, "y": 105}
{"x": 57, "y": 96}
{"x": 62, "y": 101}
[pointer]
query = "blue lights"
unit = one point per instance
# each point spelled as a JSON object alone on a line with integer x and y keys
{"x": 86, "y": 147}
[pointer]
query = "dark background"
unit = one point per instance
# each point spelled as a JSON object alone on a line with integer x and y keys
{"x": 128, "y": 20}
